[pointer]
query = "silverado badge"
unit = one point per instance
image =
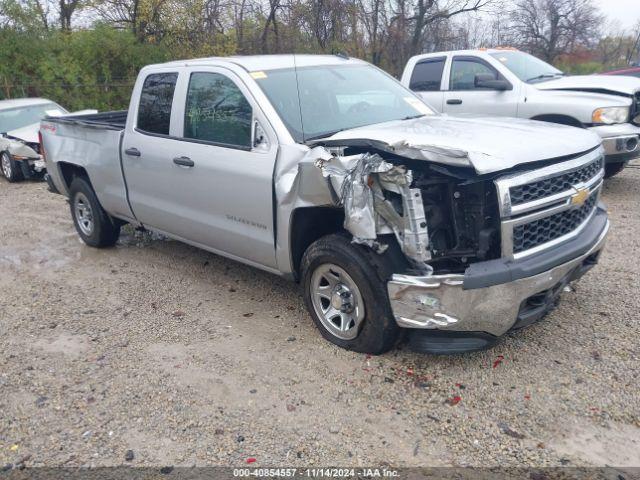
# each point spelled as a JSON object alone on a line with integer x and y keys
{"x": 580, "y": 197}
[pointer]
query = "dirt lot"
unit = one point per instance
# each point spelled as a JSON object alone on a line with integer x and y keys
{"x": 187, "y": 358}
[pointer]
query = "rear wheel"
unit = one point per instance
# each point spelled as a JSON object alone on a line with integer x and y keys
{"x": 93, "y": 224}
{"x": 10, "y": 168}
{"x": 611, "y": 169}
{"x": 345, "y": 292}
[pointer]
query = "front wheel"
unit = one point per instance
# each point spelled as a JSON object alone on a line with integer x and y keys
{"x": 611, "y": 169}
{"x": 344, "y": 288}
{"x": 10, "y": 168}
{"x": 93, "y": 224}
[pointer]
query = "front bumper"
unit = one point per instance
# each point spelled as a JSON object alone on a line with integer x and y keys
{"x": 495, "y": 296}
{"x": 621, "y": 142}
{"x": 30, "y": 166}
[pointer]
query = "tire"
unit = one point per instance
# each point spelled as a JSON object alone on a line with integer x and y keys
{"x": 355, "y": 281}
{"x": 611, "y": 169}
{"x": 95, "y": 227}
{"x": 10, "y": 168}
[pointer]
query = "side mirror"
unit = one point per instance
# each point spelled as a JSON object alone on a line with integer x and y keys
{"x": 488, "y": 81}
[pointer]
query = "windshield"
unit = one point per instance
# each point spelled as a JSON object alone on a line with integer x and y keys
{"x": 19, "y": 117}
{"x": 330, "y": 98}
{"x": 527, "y": 67}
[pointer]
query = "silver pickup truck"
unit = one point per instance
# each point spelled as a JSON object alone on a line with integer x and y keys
{"x": 507, "y": 82}
{"x": 328, "y": 171}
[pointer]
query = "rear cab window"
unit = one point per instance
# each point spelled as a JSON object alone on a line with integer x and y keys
{"x": 156, "y": 98}
{"x": 427, "y": 75}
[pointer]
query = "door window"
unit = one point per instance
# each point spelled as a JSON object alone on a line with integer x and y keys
{"x": 427, "y": 75}
{"x": 464, "y": 71}
{"x": 154, "y": 111}
{"x": 217, "y": 111}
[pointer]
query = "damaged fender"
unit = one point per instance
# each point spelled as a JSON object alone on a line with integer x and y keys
{"x": 360, "y": 182}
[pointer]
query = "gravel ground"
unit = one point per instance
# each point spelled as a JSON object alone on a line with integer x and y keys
{"x": 186, "y": 358}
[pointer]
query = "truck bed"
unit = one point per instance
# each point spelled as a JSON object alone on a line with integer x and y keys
{"x": 92, "y": 142}
{"x": 115, "y": 120}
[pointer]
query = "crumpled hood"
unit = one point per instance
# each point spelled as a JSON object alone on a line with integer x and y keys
{"x": 28, "y": 134}
{"x": 488, "y": 144}
{"x": 601, "y": 83}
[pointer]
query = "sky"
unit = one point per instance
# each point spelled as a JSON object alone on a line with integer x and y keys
{"x": 627, "y": 12}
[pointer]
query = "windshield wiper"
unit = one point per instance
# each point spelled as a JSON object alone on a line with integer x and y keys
{"x": 324, "y": 135}
{"x": 546, "y": 75}
{"x": 411, "y": 117}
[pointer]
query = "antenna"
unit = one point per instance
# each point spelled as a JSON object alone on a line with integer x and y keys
{"x": 295, "y": 68}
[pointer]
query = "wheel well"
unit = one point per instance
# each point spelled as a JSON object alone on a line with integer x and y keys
{"x": 308, "y": 225}
{"x": 70, "y": 171}
{"x": 561, "y": 119}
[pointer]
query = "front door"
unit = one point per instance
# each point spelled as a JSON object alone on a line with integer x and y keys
{"x": 464, "y": 96}
{"x": 205, "y": 181}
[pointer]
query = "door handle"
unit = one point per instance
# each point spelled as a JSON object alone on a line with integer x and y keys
{"x": 454, "y": 101}
{"x": 132, "y": 152}
{"x": 183, "y": 161}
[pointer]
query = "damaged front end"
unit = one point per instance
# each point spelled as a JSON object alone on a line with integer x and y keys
{"x": 442, "y": 222}
{"x": 26, "y": 153}
{"x": 481, "y": 250}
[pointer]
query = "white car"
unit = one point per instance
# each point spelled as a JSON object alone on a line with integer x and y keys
{"x": 510, "y": 83}
{"x": 20, "y": 156}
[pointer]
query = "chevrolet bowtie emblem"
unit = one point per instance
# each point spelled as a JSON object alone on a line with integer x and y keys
{"x": 580, "y": 197}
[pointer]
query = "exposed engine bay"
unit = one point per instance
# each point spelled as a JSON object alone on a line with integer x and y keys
{"x": 443, "y": 222}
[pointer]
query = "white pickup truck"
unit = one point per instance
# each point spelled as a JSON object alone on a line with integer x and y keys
{"x": 510, "y": 83}
{"x": 329, "y": 172}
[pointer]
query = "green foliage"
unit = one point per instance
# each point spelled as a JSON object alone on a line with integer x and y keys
{"x": 586, "y": 68}
{"x": 93, "y": 68}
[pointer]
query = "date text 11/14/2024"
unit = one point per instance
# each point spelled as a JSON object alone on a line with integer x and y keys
{"x": 316, "y": 472}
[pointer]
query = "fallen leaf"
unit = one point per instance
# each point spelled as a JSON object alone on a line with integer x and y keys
{"x": 498, "y": 361}
{"x": 453, "y": 400}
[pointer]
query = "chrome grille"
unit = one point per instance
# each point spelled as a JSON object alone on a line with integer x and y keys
{"x": 536, "y": 233}
{"x": 547, "y": 206}
{"x": 537, "y": 190}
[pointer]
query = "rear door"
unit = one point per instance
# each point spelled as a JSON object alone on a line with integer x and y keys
{"x": 208, "y": 182}
{"x": 426, "y": 81}
{"x": 464, "y": 97}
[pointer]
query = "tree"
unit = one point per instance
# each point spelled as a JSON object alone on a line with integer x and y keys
{"x": 66, "y": 9}
{"x": 26, "y": 15}
{"x": 549, "y": 28}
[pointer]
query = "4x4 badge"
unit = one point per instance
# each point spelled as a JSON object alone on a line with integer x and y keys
{"x": 580, "y": 197}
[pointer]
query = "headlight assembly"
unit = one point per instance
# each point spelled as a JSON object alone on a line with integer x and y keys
{"x": 610, "y": 115}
